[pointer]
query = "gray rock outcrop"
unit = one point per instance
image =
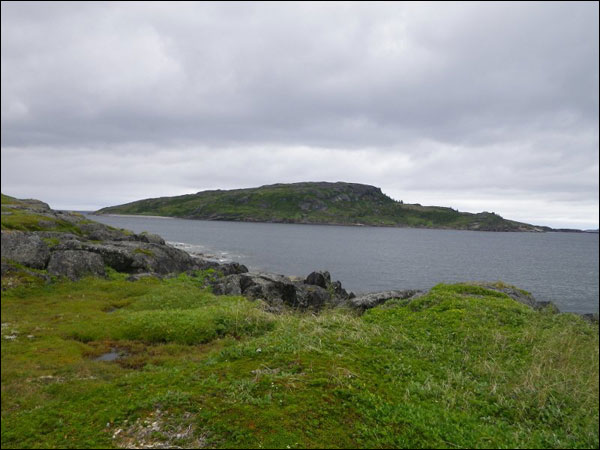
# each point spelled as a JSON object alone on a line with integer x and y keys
{"x": 279, "y": 291}
{"x": 150, "y": 238}
{"x": 135, "y": 256}
{"x": 25, "y": 248}
{"x": 374, "y": 299}
{"x": 320, "y": 278}
{"x": 229, "y": 268}
{"x": 75, "y": 264}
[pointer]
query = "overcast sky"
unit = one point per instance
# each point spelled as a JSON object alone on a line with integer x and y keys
{"x": 474, "y": 106}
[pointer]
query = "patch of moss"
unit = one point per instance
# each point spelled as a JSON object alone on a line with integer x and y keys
{"x": 51, "y": 242}
{"x": 144, "y": 251}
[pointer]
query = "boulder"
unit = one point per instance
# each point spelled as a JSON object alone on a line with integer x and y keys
{"x": 232, "y": 268}
{"x": 319, "y": 278}
{"x": 149, "y": 238}
{"x": 75, "y": 264}
{"x": 25, "y": 248}
{"x": 272, "y": 288}
{"x": 312, "y": 297}
{"x": 279, "y": 290}
{"x": 136, "y": 257}
{"x": 339, "y": 291}
{"x": 229, "y": 285}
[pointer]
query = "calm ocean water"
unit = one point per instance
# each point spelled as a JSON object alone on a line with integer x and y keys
{"x": 561, "y": 267}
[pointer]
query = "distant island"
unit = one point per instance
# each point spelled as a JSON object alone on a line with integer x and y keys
{"x": 317, "y": 203}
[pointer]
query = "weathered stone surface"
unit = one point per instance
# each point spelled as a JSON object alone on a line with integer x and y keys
{"x": 319, "y": 278}
{"x": 339, "y": 291}
{"x": 150, "y": 238}
{"x": 229, "y": 285}
{"x": 312, "y": 297}
{"x": 25, "y": 248}
{"x": 31, "y": 204}
{"x": 279, "y": 290}
{"x": 232, "y": 268}
{"x": 269, "y": 287}
{"x": 101, "y": 232}
{"x": 136, "y": 257}
{"x": 75, "y": 264}
{"x": 225, "y": 268}
{"x": 373, "y": 299}
{"x": 61, "y": 236}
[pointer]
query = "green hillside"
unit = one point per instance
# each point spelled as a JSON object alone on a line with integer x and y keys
{"x": 315, "y": 203}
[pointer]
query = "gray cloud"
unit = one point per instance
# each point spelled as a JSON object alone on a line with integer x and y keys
{"x": 460, "y": 104}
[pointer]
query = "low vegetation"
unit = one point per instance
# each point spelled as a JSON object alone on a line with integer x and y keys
{"x": 462, "y": 366}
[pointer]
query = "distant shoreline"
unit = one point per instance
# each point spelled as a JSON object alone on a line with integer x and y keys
{"x": 539, "y": 229}
{"x": 91, "y": 213}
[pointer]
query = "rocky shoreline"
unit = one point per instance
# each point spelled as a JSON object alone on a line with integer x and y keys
{"x": 89, "y": 247}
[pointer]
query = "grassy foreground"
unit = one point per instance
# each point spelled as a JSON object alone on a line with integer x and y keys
{"x": 460, "y": 367}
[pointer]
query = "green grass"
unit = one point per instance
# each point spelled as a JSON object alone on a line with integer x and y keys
{"x": 23, "y": 220}
{"x": 462, "y": 366}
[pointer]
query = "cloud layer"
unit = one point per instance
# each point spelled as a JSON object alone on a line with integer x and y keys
{"x": 489, "y": 106}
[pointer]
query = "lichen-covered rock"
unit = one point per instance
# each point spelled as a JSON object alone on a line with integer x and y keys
{"x": 150, "y": 238}
{"x": 75, "y": 264}
{"x": 136, "y": 257}
{"x": 25, "y": 248}
{"x": 100, "y": 232}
